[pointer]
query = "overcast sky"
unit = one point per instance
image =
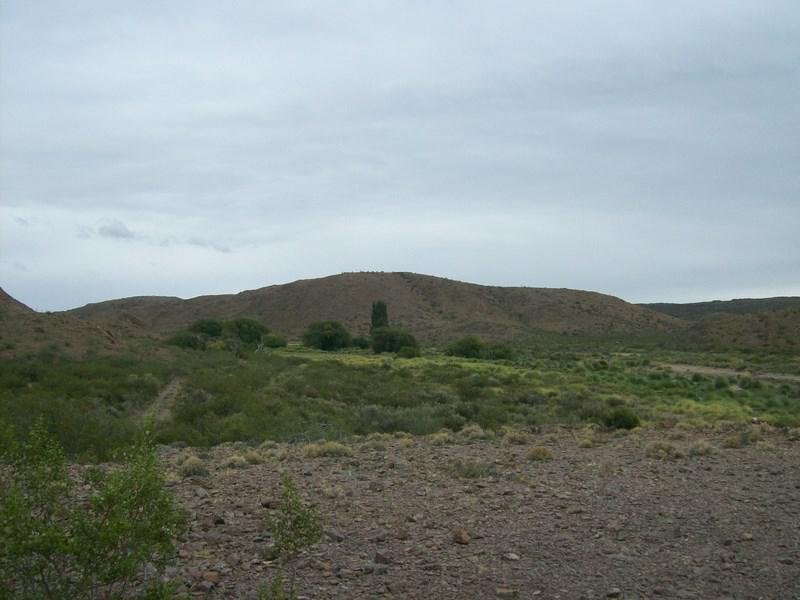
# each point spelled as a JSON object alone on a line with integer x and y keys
{"x": 646, "y": 149}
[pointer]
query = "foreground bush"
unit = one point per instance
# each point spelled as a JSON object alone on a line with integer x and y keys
{"x": 56, "y": 543}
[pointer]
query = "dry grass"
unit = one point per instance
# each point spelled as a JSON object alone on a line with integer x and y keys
{"x": 540, "y": 453}
{"x": 192, "y": 466}
{"x": 663, "y": 451}
{"x": 327, "y": 449}
{"x": 440, "y": 438}
{"x": 236, "y": 461}
{"x": 701, "y": 448}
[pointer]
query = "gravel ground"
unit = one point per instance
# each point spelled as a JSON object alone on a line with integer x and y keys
{"x": 606, "y": 516}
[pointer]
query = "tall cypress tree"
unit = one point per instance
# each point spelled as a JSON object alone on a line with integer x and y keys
{"x": 380, "y": 315}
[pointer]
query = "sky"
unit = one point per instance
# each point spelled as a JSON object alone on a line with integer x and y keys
{"x": 645, "y": 149}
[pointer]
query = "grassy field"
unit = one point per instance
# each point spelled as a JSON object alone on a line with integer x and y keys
{"x": 96, "y": 405}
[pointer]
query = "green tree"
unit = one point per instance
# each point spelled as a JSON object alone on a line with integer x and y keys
{"x": 380, "y": 315}
{"x": 467, "y": 347}
{"x": 56, "y": 543}
{"x": 249, "y": 331}
{"x": 207, "y": 327}
{"x": 326, "y": 335}
{"x": 392, "y": 339}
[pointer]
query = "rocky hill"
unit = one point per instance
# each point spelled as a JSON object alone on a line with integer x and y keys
{"x": 433, "y": 308}
{"x": 694, "y": 311}
{"x": 24, "y": 331}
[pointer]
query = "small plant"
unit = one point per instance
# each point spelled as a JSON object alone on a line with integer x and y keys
{"x": 621, "y": 417}
{"x": 253, "y": 457}
{"x": 471, "y": 470}
{"x": 440, "y": 438}
{"x": 701, "y": 448}
{"x": 236, "y": 461}
{"x": 744, "y": 438}
{"x": 475, "y": 432}
{"x": 540, "y": 453}
{"x": 516, "y": 437}
{"x": 294, "y": 527}
{"x": 327, "y": 449}
{"x": 192, "y": 466}
{"x": 663, "y": 451}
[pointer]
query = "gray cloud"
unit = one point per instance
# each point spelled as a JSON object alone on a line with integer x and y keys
{"x": 641, "y": 149}
{"x": 115, "y": 229}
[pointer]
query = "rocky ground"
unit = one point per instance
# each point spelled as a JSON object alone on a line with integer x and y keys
{"x": 650, "y": 514}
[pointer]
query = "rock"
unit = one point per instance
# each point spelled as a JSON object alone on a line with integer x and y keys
{"x": 204, "y": 586}
{"x": 376, "y": 486}
{"x": 379, "y": 535}
{"x": 504, "y": 592}
{"x": 402, "y": 534}
{"x": 460, "y": 536}
{"x": 375, "y": 568}
{"x": 747, "y": 537}
{"x": 382, "y": 559}
{"x": 334, "y": 535}
{"x": 271, "y": 503}
{"x": 219, "y": 520}
{"x": 200, "y": 492}
{"x": 415, "y": 518}
{"x": 511, "y": 556}
{"x": 786, "y": 561}
{"x": 212, "y": 576}
{"x": 614, "y": 593}
{"x": 269, "y": 552}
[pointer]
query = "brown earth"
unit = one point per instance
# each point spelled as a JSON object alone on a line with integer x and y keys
{"x": 610, "y": 521}
{"x": 25, "y": 331}
{"x": 432, "y": 308}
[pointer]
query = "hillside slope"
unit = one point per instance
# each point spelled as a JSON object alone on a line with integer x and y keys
{"x": 694, "y": 311}
{"x": 24, "y": 331}
{"x": 770, "y": 331}
{"x": 434, "y": 309}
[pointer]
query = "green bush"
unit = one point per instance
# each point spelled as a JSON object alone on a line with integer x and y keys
{"x": 249, "y": 331}
{"x": 380, "y": 315}
{"x": 56, "y": 544}
{"x": 207, "y": 327}
{"x": 360, "y": 342}
{"x": 621, "y": 417}
{"x": 408, "y": 352}
{"x": 500, "y": 352}
{"x": 187, "y": 339}
{"x": 326, "y": 335}
{"x": 391, "y": 339}
{"x": 467, "y": 347}
{"x": 273, "y": 340}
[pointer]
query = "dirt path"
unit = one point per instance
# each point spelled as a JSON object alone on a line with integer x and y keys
{"x": 723, "y": 372}
{"x": 610, "y": 521}
{"x": 161, "y": 408}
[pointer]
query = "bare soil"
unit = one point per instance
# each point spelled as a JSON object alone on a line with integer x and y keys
{"x": 724, "y": 372}
{"x": 610, "y": 521}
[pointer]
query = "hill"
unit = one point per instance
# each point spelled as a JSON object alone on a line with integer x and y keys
{"x": 434, "y": 309}
{"x": 695, "y": 311}
{"x": 770, "y": 331}
{"x": 24, "y": 331}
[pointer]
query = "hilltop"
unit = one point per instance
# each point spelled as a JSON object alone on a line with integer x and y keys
{"x": 434, "y": 309}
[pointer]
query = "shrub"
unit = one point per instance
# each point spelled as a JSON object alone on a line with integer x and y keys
{"x": 249, "y": 331}
{"x": 392, "y": 339}
{"x": 295, "y": 526}
{"x": 663, "y": 451}
{"x": 700, "y": 448}
{"x": 360, "y": 342}
{"x": 192, "y": 466}
{"x": 273, "y": 340}
{"x": 500, "y": 352}
{"x": 326, "y": 335}
{"x": 467, "y": 347}
{"x": 327, "y": 449}
{"x": 621, "y": 417}
{"x": 408, "y": 352}
{"x": 236, "y": 461}
{"x": 186, "y": 339}
{"x": 207, "y": 327}
{"x": 55, "y": 544}
{"x": 540, "y": 453}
